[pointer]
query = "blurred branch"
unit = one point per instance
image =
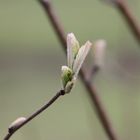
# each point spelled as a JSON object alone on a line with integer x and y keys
{"x": 124, "y": 9}
{"x": 129, "y": 17}
{"x": 89, "y": 87}
{"x": 17, "y": 125}
{"x": 54, "y": 21}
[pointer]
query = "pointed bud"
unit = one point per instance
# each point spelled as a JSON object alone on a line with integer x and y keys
{"x": 82, "y": 53}
{"x": 66, "y": 75}
{"x": 15, "y": 124}
{"x": 99, "y": 51}
{"x": 72, "y": 49}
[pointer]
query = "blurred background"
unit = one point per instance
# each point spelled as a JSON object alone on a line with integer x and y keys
{"x": 30, "y": 65}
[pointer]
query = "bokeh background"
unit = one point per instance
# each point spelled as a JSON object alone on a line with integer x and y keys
{"x": 30, "y": 65}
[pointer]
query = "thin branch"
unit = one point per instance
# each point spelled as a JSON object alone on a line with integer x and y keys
{"x": 91, "y": 90}
{"x": 44, "y": 107}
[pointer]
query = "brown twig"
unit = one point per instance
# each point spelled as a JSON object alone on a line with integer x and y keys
{"x": 12, "y": 131}
{"x": 91, "y": 90}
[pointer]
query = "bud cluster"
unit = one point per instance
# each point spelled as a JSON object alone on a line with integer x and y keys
{"x": 75, "y": 58}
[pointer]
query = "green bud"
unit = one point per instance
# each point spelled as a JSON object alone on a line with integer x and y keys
{"x": 66, "y": 75}
{"x": 75, "y": 58}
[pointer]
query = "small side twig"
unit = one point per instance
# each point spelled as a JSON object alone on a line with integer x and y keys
{"x": 12, "y": 131}
{"x": 90, "y": 88}
{"x": 93, "y": 72}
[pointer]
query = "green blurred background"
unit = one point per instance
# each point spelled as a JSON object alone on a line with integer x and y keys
{"x": 30, "y": 65}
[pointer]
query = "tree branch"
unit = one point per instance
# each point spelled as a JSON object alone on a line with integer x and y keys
{"x": 44, "y": 107}
{"x": 89, "y": 87}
